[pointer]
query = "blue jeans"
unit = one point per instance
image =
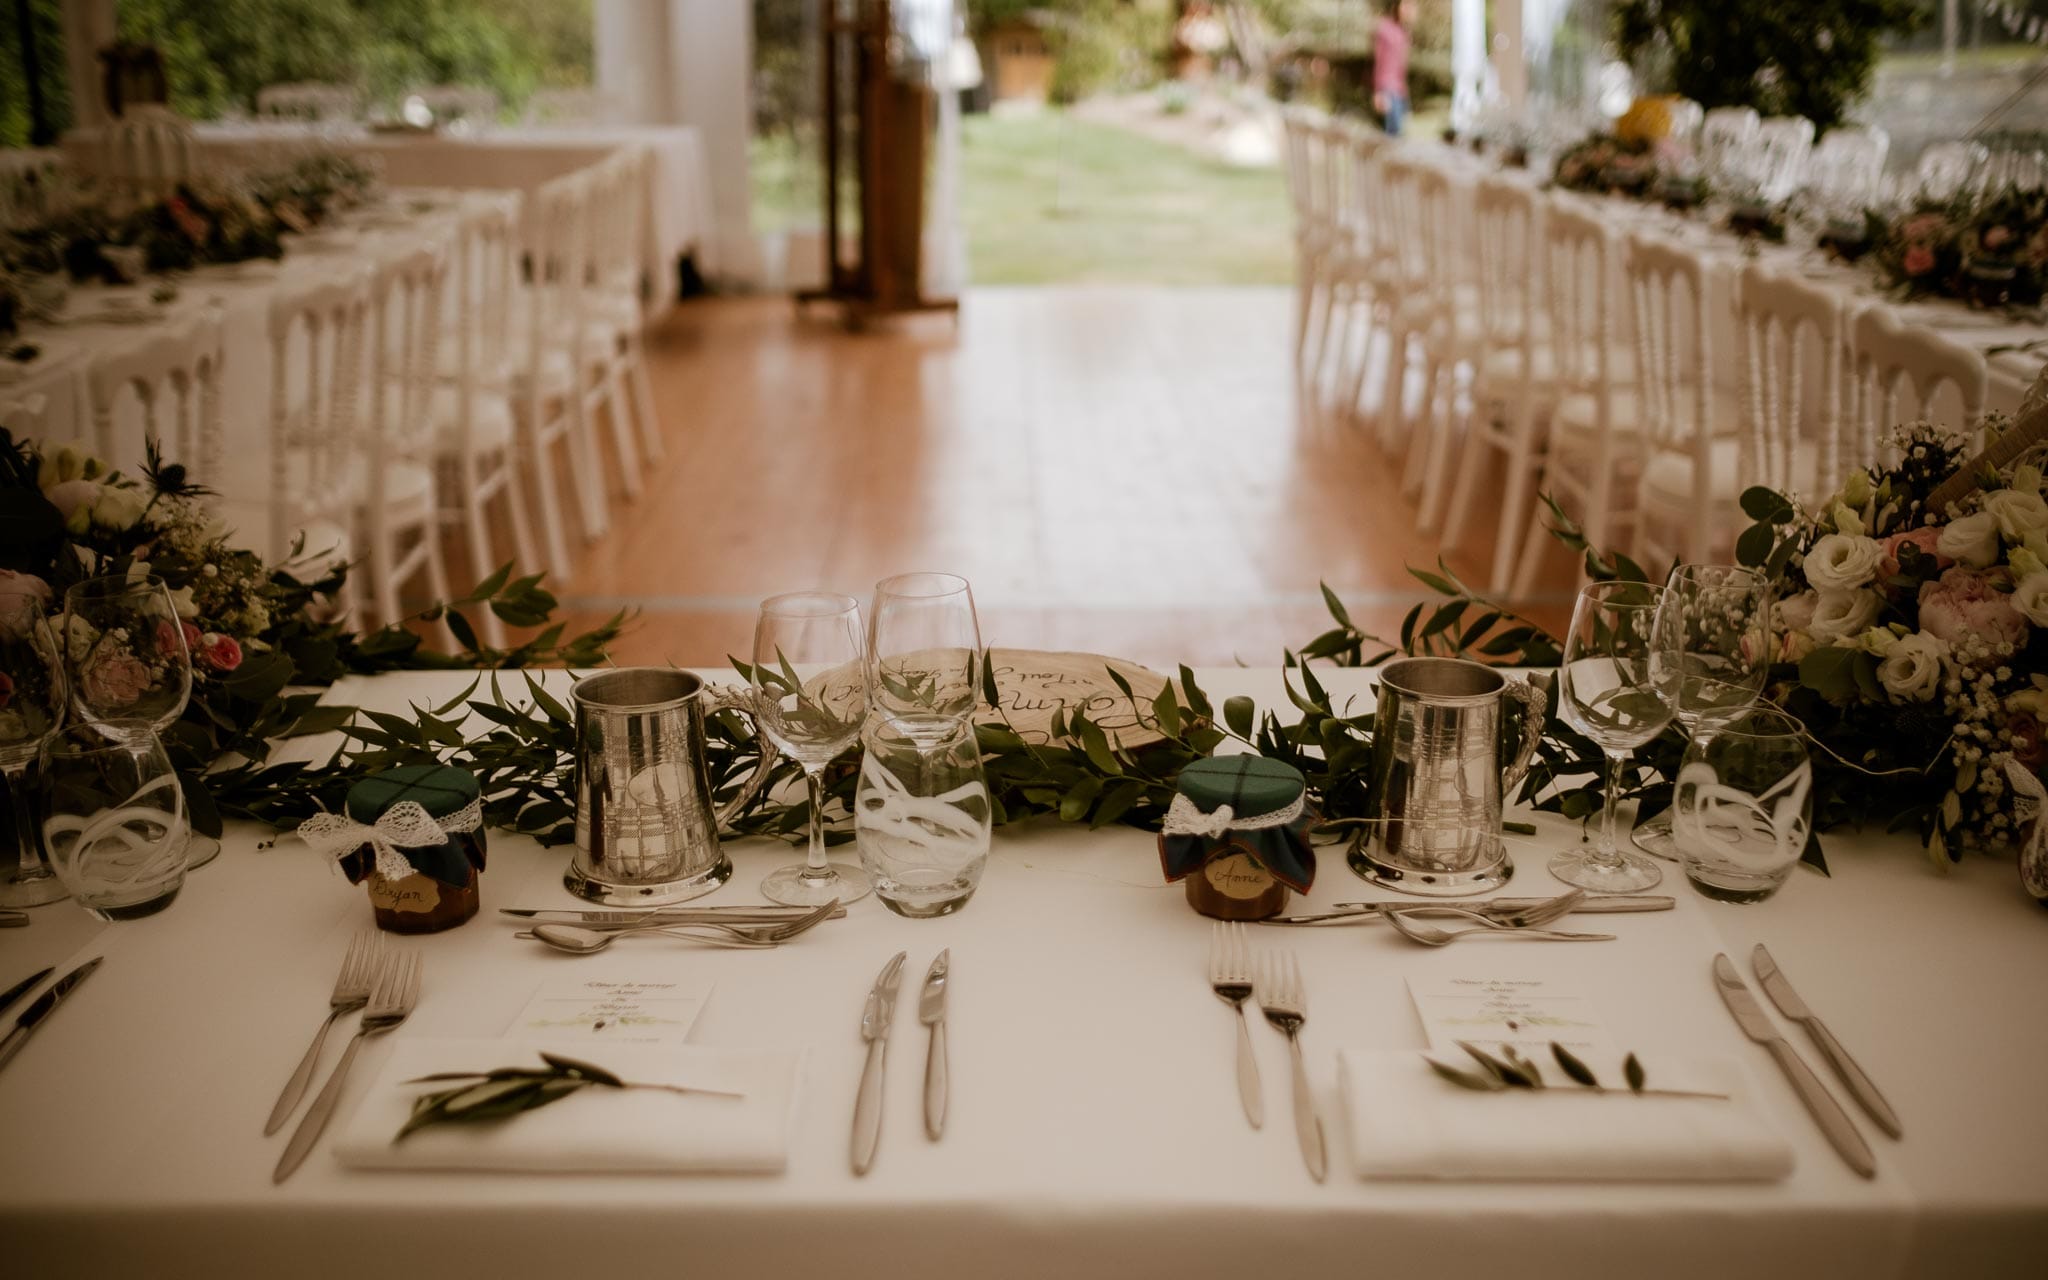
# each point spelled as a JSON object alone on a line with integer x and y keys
{"x": 1397, "y": 113}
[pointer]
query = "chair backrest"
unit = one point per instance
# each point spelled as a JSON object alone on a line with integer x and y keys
{"x": 1847, "y": 167}
{"x": 1579, "y": 259}
{"x": 1508, "y": 225}
{"x": 1891, "y": 357}
{"x": 407, "y": 294}
{"x": 1668, "y": 294}
{"x": 1401, "y": 215}
{"x": 1365, "y": 208}
{"x": 308, "y": 100}
{"x": 1785, "y": 144}
{"x": 1946, "y": 167}
{"x": 318, "y": 333}
{"x": 1793, "y": 353}
{"x": 1294, "y": 147}
{"x": 556, "y": 256}
{"x": 457, "y": 101}
{"x": 619, "y": 203}
{"x": 1686, "y": 117}
{"x": 175, "y": 379}
{"x": 486, "y": 276}
{"x": 1439, "y": 224}
{"x": 1726, "y": 132}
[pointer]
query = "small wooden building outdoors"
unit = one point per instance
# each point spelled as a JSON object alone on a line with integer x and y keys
{"x": 1021, "y": 62}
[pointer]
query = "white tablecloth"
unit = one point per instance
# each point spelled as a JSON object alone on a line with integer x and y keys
{"x": 678, "y": 218}
{"x": 403, "y": 221}
{"x": 1094, "y": 1128}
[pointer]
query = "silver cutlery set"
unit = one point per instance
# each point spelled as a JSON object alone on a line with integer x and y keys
{"x": 1274, "y": 980}
{"x": 876, "y": 1017}
{"x": 1834, "y": 1122}
{"x": 41, "y": 1007}
{"x": 382, "y": 982}
{"x": 745, "y": 928}
{"x": 1518, "y": 918}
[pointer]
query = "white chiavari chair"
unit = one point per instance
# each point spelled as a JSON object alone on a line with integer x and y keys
{"x": 1365, "y": 274}
{"x": 174, "y": 380}
{"x": 478, "y": 455}
{"x": 618, "y": 227}
{"x": 1685, "y": 419}
{"x": 1945, "y": 168}
{"x": 1891, "y": 359}
{"x": 1448, "y": 338}
{"x": 1316, "y": 236}
{"x": 1593, "y": 444}
{"x": 1727, "y": 135}
{"x": 401, "y": 516}
{"x": 1513, "y": 377}
{"x": 308, "y": 100}
{"x": 1784, "y": 145}
{"x": 1847, "y": 167}
{"x": 318, "y": 333}
{"x": 1794, "y": 353}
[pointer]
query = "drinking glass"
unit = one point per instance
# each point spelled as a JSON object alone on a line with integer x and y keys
{"x": 32, "y": 700}
{"x": 1713, "y": 629}
{"x": 924, "y": 644}
{"x": 811, "y": 718}
{"x": 921, "y": 813}
{"x": 1614, "y": 688}
{"x": 1744, "y": 806}
{"x": 115, "y": 825}
{"x": 130, "y": 663}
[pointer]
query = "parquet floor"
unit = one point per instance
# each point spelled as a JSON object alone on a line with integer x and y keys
{"x": 1117, "y": 470}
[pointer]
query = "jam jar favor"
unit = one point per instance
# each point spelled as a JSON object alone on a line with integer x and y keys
{"x": 441, "y": 890}
{"x": 1237, "y": 837}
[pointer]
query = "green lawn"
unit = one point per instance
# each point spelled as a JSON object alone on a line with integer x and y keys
{"x": 1051, "y": 199}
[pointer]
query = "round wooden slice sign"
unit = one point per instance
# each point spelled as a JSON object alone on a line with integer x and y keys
{"x": 1031, "y": 685}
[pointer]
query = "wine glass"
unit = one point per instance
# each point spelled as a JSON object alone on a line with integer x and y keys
{"x": 130, "y": 660}
{"x": 1713, "y": 629}
{"x": 1744, "y": 806}
{"x": 32, "y": 700}
{"x": 811, "y": 698}
{"x": 924, "y": 646}
{"x": 116, "y": 826}
{"x": 1616, "y": 689}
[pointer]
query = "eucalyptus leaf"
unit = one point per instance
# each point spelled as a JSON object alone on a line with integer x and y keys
{"x": 1573, "y": 1066}
{"x": 1632, "y": 1071}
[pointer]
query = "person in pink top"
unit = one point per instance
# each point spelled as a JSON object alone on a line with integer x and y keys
{"x": 1390, "y": 64}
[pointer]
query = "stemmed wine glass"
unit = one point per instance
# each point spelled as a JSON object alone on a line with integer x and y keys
{"x": 811, "y": 699}
{"x": 130, "y": 660}
{"x": 32, "y": 702}
{"x": 924, "y": 644}
{"x": 1615, "y": 688}
{"x": 1713, "y": 629}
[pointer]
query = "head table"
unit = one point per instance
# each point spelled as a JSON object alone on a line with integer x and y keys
{"x": 1094, "y": 1126}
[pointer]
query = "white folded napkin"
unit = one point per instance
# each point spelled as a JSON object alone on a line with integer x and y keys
{"x": 1408, "y": 1122}
{"x": 597, "y": 1129}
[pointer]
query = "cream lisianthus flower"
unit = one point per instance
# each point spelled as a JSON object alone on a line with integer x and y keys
{"x": 1843, "y": 562}
{"x": 1843, "y": 615}
{"x": 1972, "y": 540}
{"x": 2018, "y": 513}
{"x": 2030, "y": 597}
{"x": 1911, "y": 672}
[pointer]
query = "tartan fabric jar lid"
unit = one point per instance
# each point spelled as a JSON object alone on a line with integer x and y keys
{"x": 1250, "y": 785}
{"x": 437, "y": 788}
{"x": 1242, "y": 804}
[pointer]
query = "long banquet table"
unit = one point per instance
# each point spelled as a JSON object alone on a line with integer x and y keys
{"x": 1094, "y": 1128}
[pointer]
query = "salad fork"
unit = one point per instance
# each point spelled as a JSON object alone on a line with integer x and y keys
{"x": 351, "y": 992}
{"x": 1285, "y": 1003}
{"x": 1230, "y": 976}
{"x": 392, "y": 1000}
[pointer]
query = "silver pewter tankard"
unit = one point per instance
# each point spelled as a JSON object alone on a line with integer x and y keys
{"x": 1437, "y": 781}
{"x": 646, "y": 833}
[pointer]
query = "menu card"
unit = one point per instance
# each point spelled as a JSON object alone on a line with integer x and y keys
{"x": 597, "y": 1009}
{"x": 1528, "y": 1013}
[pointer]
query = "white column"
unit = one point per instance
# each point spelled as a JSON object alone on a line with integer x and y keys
{"x": 632, "y": 58}
{"x": 1949, "y": 26}
{"x": 1468, "y": 60}
{"x": 1512, "y": 72}
{"x": 88, "y": 28}
{"x": 710, "y": 83}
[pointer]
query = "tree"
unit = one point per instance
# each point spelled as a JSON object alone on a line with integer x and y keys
{"x": 1813, "y": 58}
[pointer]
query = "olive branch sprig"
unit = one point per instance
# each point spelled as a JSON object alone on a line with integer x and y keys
{"x": 506, "y": 1091}
{"x": 1512, "y": 1069}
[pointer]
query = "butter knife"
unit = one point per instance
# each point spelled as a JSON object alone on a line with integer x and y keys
{"x": 931, "y": 1011}
{"x": 1772, "y": 979}
{"x": 22, "y": 988}
{"x": 874, "y": 1028}
{"x": 32, "y": 1017}
{"x": 1833, "y": 1121}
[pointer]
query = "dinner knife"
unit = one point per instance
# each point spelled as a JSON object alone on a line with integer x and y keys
{"x": 730, "y": 915}
{"x": 1775, "y": 985}
{"x": 22, "y": 988}
{"x": 1833, "y": 1121}
{"x": 931, "y": 1011}
{"x": 32, "y": 1017}
{"x": 874, "y": 1028}
{"x": 1352, "y": 912}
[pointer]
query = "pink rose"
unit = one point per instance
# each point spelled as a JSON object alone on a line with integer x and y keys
{"x": 2028, "y": 745}
{"x": 17, "y": 592}
{"x": 167, "y": 637}
{"x": 115, "y": 680}
{"x": 1965, "y": 602}
{"x": 1924, "y": 538}
{"x": 1919, "y": 260}
{"x": 220, "y": 652}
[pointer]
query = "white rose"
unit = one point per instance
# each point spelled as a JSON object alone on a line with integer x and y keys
{"x": 1912, "y": 670}
{"x": 2018, "y": 514}
{"x": 1841, "y": 562}
{"x": 1843, "y": 615}
{"x": 1972, "y": 540}
{"x": 1796, "y": 614}
{"x": 2030, "y": 597}
{"x": 118, "y": 509}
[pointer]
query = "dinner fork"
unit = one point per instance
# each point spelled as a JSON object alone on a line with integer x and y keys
{"x": 351, "y": 992}
{"x": 1285, "y": 1004}
{"x": 393, "y": 998}
{"x": 1431, "y": 936}
{"x": 1230, "y": 976}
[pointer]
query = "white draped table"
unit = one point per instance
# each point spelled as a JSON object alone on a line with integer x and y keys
{"x": 1094, "y": 1128}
